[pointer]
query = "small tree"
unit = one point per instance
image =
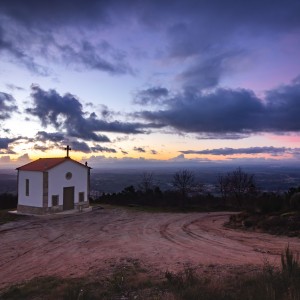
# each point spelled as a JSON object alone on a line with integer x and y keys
{"x": 237, "y": 184}
{"x": 224, "y": 186}
{"x": 147, "y": 183}
{"x": 183, "y": 181}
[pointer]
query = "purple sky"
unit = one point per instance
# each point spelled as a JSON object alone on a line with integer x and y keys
{"x": 150, "y": 80}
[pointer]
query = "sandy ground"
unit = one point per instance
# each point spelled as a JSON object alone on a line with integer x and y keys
{"x": 84, "y": 243}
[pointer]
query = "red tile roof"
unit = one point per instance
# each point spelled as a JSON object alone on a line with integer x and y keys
{"x": 45, "y": 164}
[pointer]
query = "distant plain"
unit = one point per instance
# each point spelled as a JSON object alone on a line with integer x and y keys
{"x": 272, "y": 178}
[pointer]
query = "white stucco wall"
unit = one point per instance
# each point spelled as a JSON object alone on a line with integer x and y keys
{"x": 35, "y": 197}
{"x": 57, "y": 181}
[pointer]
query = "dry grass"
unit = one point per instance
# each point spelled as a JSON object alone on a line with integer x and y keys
{"x": 130, "y": 281}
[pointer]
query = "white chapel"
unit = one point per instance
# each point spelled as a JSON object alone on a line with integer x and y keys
{"x": 49, "y": 185}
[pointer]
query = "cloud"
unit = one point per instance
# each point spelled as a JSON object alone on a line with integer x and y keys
{"x": 139, "y": 149}
{"x": 283, "y": 107}
{"x": 41, "y": 148}
{"x": 80, "y": 146}
{"x": 230, "y": 113}
{"x": 50, "y": 136}
{"x": 7, "y": 151}
{"x": 7, "y": 106}
{"x": 5, "y": 159}
{"x": 179, "y": 158}
{"x": 212, "y": 39}
{"x": 255, "y": 12}
{"x": 23, "y": 159}
{"x": 35, "y": 12}
{"x": 92, "y": 57}
{"x": 99, "y": 148}
{"x": 11, "y": 48}
{"x": 205, "y": 25}
{"x": 222, "y": 111}
{"x": 154, "y": 152}
{"x": 205, "y": 34}
{"x": 34, "y": 42}
{"x": 251, "y": 150}
{"x": 4, "y": 142}
{"x": 66, "y": 113}
{"x": 207, "y": 72}
{"x": 14, "y": 87}
{"x": 153, "y": 95}
{"x": 60, "y": 140}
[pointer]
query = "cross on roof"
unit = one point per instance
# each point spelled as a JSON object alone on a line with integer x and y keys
{"x": 68, "y": 149}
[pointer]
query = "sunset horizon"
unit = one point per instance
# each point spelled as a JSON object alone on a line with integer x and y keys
{"x": 152, "y": 81}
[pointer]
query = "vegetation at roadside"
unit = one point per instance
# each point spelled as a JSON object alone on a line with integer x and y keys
{"x": 272, "y": 213}
{"x": 8, "y": 201}
{"x": 130, "y": 281}
{"x": 6, "y": 217}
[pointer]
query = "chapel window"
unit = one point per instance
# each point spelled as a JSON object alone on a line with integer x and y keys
{"x": 27, "y": 187}
{"x": 81, "y": 197}
{"x": 55, "y": 200}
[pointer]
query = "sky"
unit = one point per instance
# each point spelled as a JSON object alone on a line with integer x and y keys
{"x": 150, "y": 81}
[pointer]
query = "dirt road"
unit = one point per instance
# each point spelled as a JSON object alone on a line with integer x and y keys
{"x": 79, "y": 244}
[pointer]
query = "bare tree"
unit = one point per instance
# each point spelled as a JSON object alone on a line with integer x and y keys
{"x": 236, "y": 184}
{"x": 183, "y": 181}
{"x": 224, "y": 186}
{"x": 147, "y": 182}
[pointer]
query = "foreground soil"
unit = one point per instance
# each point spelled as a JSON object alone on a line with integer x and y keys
{"x": 84, "y": 244}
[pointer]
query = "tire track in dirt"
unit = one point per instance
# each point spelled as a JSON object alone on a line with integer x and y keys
{"x": 74, "y": 245}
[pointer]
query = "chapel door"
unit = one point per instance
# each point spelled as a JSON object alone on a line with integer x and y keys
{"x": 68, "y": 198}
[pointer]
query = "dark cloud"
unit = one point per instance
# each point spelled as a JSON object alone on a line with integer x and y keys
{"x": 25, "y": 42}
{"x": 7, "y": 106}
{"x": 207, "y": 72}
{"x": 34, "y": 12}
{"x": 63, "y": 112}
{"x": 80, "y": 146}
{"x": 105, "y": 112}
{"x": 4, "y": 142}
{"x": 250, "y": 150}
{"x": 59, "y": 139}
{"x": 154, "y": 152}
{"x": 41, "y": 148}
{"x": 223, "y": 111}
{"x": 139, "y": 149}
{"x": 66, "y": 113}
{"x": 283, "y": 107}
{"x": 92, "y": 57}
{"x": 153, "y": 95}
{"x": 99, "y": 148}
{"x": 222, "y": 136}
{"x": 208, "y": 34}
{"x": 154, "y": 12}
{"x": 205, "y": 25}
{"x": 50, "y": 136}
{"x": 191, "y": 29}
{"x": 13, "y": 50}
{"x": 231, "y": 113}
